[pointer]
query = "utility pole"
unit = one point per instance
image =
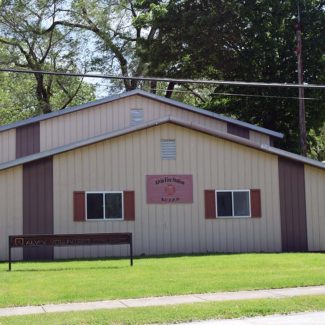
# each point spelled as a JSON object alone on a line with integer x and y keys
{"x": 302, "y": 114}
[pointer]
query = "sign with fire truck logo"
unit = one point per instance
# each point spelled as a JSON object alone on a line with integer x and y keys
{"x": 169, "y": 189}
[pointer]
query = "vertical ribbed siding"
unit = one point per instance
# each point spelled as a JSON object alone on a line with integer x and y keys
{"x": 11, "y": 209}
{"x": 123, "y": 162}
{"x": 38, "y": 204}
{"x": 7, "y": 145}
{"x": 293, "y": 205}
{"x": 260, "y": 138}
{"x": 112, "y": 116}
{"x": 315, "y": 207}
{"x": 27, "y": 139}
{"x": 116, "y": 115}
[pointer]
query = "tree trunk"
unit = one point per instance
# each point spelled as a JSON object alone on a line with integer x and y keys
{"x": 170, "y": 88}
{"x": 153, "y": 87}
{"x": 42, "y": 95}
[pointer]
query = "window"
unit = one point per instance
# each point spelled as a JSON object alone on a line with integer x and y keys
{"x": 168, "y": 149}
{"x": 136, "y": 116}
{"x": 233, "y": 203}
{"x": 104, "y": 205}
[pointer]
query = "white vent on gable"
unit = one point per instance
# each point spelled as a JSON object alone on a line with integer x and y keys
{"x": 136, "y": 116}
{"x": 168, "y": 149}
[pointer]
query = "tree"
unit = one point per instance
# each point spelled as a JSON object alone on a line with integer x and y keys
{"x": 18, "y": 101}
{"x": 28, "y": 45}
{"x": 317, "y": 143}
{"x": 193, "y": 38}
{"x": 245, "y": 40}
{"x": 116, "y": 39}
{"x": 11, "y": 98}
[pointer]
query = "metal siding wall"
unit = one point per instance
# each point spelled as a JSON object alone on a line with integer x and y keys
{"x": 112, "y": 116}
{"x": 7, "y": 145}
{"x": 315, "y": 207}
{"x": 38, "y": 204}
{"x": 259, "y": 138}
{"x": 122, "y": 163}
{"x": 11, "y": 212}
{"x": 293, "y": 205}
{"x": 27, "y": 139}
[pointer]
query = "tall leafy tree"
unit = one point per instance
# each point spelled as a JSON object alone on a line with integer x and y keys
{"x": 115, "y": 33}
{"x": 246, "y": 40}
{"x": 28, "y": 44}
{"x": 249, "y": 40}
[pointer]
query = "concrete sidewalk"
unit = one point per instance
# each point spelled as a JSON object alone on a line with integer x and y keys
{"x": 164, "y": 301}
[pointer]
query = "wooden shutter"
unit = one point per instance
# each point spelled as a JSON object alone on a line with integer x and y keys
{"x": 210, "y": 204}
{"x": 129, "y": 205}
{"x": 256, "y": 203}
{"x": 79, "y": 211}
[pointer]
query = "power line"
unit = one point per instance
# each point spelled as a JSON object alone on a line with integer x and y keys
{"x": 242, "y": 95}
{"x": 178, "y": 81}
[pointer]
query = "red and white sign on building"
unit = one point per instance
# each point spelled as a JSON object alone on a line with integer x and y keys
{"x": 167, "y": 189}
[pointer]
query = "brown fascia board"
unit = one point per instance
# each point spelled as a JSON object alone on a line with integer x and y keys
{"x": 153, "y": 123}
{"x": 145, "y": 94}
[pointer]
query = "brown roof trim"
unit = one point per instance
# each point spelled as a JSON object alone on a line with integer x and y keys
{"x": 163, "y": 120}
{"x": 27, "y": 139}
{"x": 240, "y": 131}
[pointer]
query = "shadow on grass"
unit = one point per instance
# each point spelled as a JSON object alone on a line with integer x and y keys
{"x": 68, "y": 269}
{"x": 45, "y": 266}
{"x": 124, "y": 258}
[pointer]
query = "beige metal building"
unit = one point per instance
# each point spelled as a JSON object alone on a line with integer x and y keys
{"x": 181, "y": 179}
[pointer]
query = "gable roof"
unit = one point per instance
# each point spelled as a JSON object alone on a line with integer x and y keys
{"x": 139, "y": 92}
{"x": 163, "y": 120}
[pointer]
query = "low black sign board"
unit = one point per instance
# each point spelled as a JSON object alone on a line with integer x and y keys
{"x": 70, "y": 240}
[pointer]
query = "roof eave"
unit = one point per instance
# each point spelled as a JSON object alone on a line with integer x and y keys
{"x": 164, "y": 100}
{"x": 165, "y": 119}
{"x": 217, "y": 116}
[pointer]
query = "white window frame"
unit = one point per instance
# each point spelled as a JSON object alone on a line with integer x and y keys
{"x": 232, "y": 203}
{"x": 103, "y": 193}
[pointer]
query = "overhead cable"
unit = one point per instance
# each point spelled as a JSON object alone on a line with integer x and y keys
{"x": 242, "y": 95}
{"x": 177, "y": 81}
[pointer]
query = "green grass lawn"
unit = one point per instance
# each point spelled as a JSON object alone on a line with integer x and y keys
{"x": 67, "y": 281}
{"x": 174, "y": 314}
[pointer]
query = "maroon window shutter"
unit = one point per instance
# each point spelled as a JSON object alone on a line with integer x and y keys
{"x": 256, "y": 203}
{"x": 210, "y": 204}
{"x": 79, "y": 211}
{"x": 129, "y": 205}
